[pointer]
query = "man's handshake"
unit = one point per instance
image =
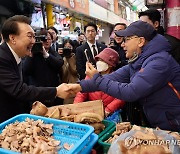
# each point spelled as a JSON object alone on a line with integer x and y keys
{"x": 67, "y": 90}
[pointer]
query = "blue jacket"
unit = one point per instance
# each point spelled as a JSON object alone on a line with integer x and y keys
{"x": 146, "y": 80}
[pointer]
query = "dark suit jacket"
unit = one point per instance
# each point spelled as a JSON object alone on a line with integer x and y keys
{"x": 43, "y": 71}
{"x": 56, "y": 47}
{"x": 81, "y": 57}
{"x": 14, "y": 94}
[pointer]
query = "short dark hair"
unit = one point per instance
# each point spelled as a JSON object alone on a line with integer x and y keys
{"x": 53, "y": 28}
{"x": 10, "y": 26}
{"x": 119, "y": 23}
{"x": 154, "y": 15}
{"x": 81, "y": 34}
{"x": 68, "y": 41}
{"x": 46, "y": 32}
{"x": 92, "y": 25}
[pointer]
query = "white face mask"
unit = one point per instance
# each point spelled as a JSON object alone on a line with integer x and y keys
{"x": 101, "y": 66}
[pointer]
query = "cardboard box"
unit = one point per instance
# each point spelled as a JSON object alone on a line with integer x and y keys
{"x": 89, "y": 106}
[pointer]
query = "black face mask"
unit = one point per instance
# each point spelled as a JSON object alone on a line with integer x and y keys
{"x": 81, "y": 42}
{"x": 67, "y": 52}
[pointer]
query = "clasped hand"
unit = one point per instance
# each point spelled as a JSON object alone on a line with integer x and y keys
{"x": 68, "y": 90}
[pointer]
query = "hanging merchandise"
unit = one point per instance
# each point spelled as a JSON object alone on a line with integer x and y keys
{"x": 37, "y": 18}
{"x": 65, "y": 22}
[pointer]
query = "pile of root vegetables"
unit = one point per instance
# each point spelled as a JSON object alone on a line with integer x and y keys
{"x": 29, "y": 136}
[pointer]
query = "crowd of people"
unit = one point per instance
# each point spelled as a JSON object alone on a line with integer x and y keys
{"x": 138, "y": 71}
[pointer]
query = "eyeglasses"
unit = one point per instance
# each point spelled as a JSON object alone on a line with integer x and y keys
{"x": 129, "y": 38}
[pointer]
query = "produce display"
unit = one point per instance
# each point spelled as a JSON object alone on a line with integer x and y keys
{"x": 120, "y": 129}
{"x": 93, "y": 119}
{"x": 69, "y": 114}
{"x": 32, "y": 134}
{"x": 127, "y": 139}
{"x": 29, "y": 136}
{"x": 39, "y": 109}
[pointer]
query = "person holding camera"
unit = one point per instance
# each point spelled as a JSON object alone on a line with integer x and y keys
{"x": 69, "y": 72}
{"x": 42, "y": 68}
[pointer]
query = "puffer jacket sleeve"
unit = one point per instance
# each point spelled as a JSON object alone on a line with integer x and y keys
{"x": 152, "y": 77}
{"x": 80, "y": 97}
{"x": 114, "y": 105}
{"x": 121, "y": 75}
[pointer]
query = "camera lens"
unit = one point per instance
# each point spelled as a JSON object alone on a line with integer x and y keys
{"x": 43, "y": 38}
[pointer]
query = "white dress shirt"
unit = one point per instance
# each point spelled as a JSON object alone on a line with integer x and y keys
{"x": 90, "y": 45}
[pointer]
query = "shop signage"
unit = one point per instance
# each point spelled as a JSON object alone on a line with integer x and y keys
{"x": 102, "y": 3}
{"x": 81, "y": 6}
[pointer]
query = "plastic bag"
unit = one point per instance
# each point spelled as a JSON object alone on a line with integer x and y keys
{"x": 126, "y": 137}
{"x": 115, "y": 117}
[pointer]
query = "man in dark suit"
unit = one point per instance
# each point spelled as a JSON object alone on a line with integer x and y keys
{"x": 19, "y": 39}
{"x": 87, "y": 51}
{"x": 54, "y": 33}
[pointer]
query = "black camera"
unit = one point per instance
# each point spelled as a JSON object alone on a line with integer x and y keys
{"x": 41, "y": 38}
{"x": 38, "y": 47}
{"x": 67, "y": 52}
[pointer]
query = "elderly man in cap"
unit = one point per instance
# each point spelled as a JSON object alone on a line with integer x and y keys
{"x": 152, "y": 76}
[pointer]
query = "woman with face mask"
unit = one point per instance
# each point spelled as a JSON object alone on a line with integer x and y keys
{"x": 106, "y": 61}
{"x": 69, "y": 73}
